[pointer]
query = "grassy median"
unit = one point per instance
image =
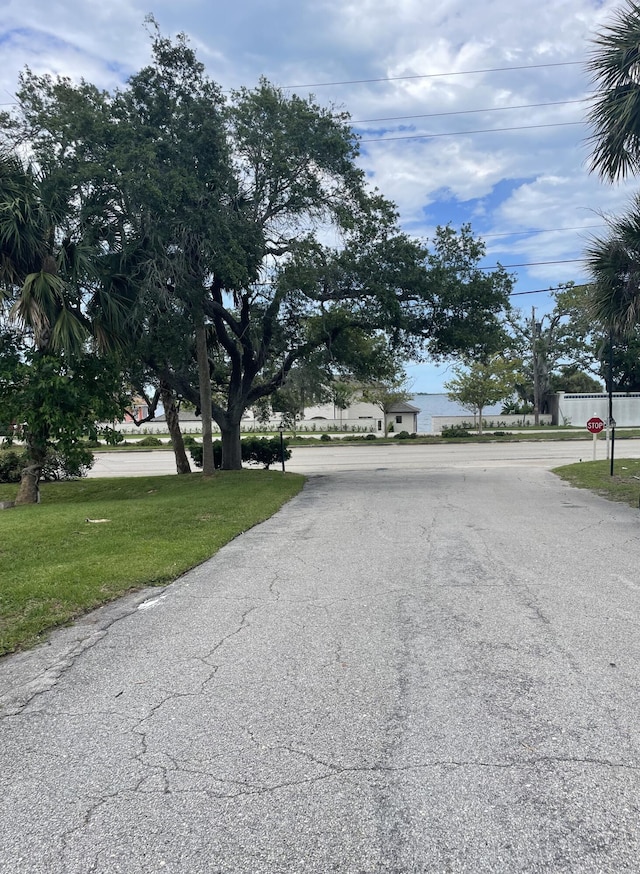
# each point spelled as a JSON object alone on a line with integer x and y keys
{"x": 91, "y": 541}
{"x": 623, "y": 486}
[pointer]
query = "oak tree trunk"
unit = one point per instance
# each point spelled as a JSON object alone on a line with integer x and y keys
{"x": 231, "y": 446}
{"x": 29, "y": 491}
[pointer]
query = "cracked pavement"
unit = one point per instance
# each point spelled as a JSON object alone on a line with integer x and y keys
{"x": 430, "y": 670}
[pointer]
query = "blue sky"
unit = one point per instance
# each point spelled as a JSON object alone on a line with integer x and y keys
{"x": 467, "y": 112}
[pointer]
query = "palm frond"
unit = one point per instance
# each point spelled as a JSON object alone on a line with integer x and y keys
{"x": 38, "y": 304}
{"x": 69, "y": 332}
{"x": 615, "y": 112}
{"x": 614, "y": 265}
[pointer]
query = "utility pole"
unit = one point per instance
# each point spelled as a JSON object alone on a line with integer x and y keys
{"x": 535, "y": 335}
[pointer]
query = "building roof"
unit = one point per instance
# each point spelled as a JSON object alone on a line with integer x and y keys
{"x": 403, "y": 407}
{"x": 183, "y": 416}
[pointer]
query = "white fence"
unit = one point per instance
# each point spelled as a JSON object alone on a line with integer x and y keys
{"x": 576, "y": 409}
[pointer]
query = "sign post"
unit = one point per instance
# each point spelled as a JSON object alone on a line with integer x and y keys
{"x": 594, "y": 426}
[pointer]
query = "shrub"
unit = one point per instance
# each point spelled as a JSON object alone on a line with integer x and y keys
{"x": 456, "y": 431}
{"x": 67, "y": 465}
{"x": 58, "y": 465}
{"x": 371, "y": 437}
{"x": 403, "y": 435}
{"x": 255, "y": 450}
{"x": 502, "y": 434}
{"x": 264, "y": 451}
{"x": 111, "y": 436}
{"x": 11, "y": 464}
{"x": 325, "y": 437}
{"x": 189, "y": 440}
{"x": 150, "y": 441}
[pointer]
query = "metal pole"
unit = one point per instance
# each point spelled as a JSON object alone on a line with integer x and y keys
{"x": 613, "y": 443}
{"x": 611, "y": 423}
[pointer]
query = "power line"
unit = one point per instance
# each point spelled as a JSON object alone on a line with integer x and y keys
{"x": 540, "y": 231}
{"x": 437, "y": 75}
{"x": 490, "y": 130}
{"x": 467, "y": 111}
{"x": 535, "y": 263}
{"x": 535, "y": 291}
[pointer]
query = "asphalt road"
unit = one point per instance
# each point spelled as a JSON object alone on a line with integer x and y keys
{"x": 403, "y": 456}
{"x": 426, "y": 669}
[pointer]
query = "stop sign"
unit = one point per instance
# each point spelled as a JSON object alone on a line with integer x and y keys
{"x": 595, "y": 425}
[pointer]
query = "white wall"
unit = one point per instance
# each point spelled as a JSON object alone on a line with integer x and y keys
{"x": 575, "y": 409}
{"x": 490, "y": 422}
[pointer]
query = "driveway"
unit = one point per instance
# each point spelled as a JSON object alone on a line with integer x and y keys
{"x": 407, "y": 669}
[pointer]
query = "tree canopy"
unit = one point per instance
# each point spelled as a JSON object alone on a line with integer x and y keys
{"x": 483, "y": 383}
{"x": 241, "y": 238}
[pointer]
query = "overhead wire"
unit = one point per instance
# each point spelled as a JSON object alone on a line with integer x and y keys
{"x": 533, "y": 263}
{"x": 437, "y": 75}
{"x": 490, "y": 130}
{"x": 467, "y": 111}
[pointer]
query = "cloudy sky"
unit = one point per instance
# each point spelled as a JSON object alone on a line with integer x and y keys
{"x": 467, "y": 112}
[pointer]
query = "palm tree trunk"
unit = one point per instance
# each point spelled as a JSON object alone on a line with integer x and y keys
{"x": 173, "y": 424}
{"x": 204, "y": 379}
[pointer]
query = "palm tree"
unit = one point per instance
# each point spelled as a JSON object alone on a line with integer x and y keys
{"x": 42, "y": 268}
{"x": 614, "y": 264}
{"x": 45, "y": 272}
{"x": 615, "y": 112}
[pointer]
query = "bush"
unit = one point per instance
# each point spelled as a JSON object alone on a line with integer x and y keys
{"x": 371, "y": 437}
{"x": 189, "y": 440}
{"x": 58, "y": 465}
{"x": 111, "y": 436}
{"x": 11, "y": 464}
{"x": 403, "y": 435}
{"x": 67, "y": 465}
{"x": 149, "y": 441}
{"x": 255, "y": 450}
{"x": 502, "y": 434}
{"x": 325, "y": 437}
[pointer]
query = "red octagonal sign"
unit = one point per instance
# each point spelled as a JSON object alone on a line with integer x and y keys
{"x": 595, "y": 425}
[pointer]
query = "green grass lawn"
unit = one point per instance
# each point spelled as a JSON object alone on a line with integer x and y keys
{"x": 623, "y": 486}
{"x": 56, "y": 565}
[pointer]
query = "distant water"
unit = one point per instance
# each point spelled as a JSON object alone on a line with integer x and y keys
{"x": 440, "y": 405}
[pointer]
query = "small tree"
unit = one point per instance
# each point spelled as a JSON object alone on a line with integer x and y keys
{"x": 386, "y": 394}
{"x": 56, "y": 401}
{"x": 483, "y": 384}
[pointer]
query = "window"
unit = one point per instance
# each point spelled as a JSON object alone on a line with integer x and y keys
{"x": 398, "y": 420}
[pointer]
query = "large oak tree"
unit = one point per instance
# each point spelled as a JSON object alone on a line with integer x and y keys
{"x": 244, "y": 236}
